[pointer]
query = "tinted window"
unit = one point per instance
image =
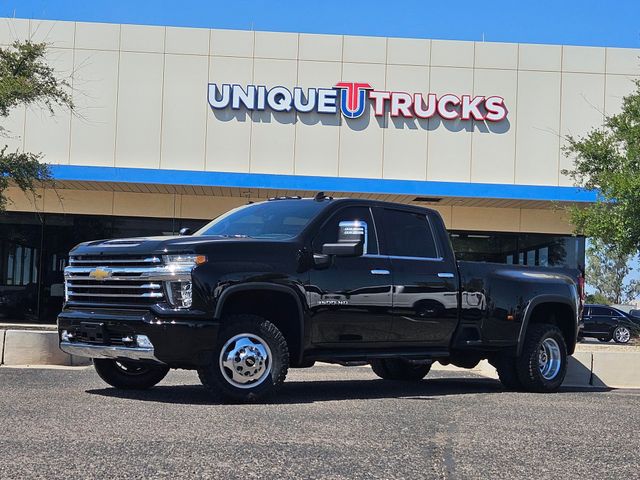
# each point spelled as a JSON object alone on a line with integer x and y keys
{"x": 601, "y": 311}
{"x": 341, "y": 222}
{"x": 273, "y": 219}
{"x": 408, "y": 235}
{"x": 519, "y": 248}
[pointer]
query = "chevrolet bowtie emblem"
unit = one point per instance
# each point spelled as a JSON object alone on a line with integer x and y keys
{"x": 100, "y": 273}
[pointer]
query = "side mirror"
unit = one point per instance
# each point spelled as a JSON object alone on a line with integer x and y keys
{"x": 343, "y": 249}
{"x": 185, "y": 231}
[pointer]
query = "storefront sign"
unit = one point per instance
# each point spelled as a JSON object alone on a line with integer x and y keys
{"x": 351, "y": 99}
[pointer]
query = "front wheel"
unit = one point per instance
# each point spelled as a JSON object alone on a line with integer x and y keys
{"x": 129, "y": 374}
{"x": 399, "y": 369}
{"x": 250, "y": 360}
{"x": 621, "y": 334}
{"x": 542, "y": 365}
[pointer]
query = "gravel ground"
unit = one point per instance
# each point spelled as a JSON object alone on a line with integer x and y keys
{"x": 327, "y": 422}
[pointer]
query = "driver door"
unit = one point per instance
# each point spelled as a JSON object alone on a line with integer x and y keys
{"x": 350, "y": 299}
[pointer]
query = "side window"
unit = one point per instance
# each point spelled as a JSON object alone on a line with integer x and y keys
{"x": 408, "y": 234}
{"x": 343, "y": 223}
{"x": 600, "y": 311}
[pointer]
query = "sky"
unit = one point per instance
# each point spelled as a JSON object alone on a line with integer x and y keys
{"x": 611, "y": 23}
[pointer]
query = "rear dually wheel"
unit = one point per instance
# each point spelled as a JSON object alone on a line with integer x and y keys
{"x": 542, "y": 365}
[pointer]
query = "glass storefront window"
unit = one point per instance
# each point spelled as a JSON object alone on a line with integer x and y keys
{"x": 543, "y": 257}
{"x": 34, "y": 249}
{"x": 20, "y": 247}
{"x": 520, "y": 248}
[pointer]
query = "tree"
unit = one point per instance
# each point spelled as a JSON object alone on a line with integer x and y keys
{"x": 597, "y": 298}
{"x": 607, "y": 160}
{"x": 26, "y": 79}
{"x": 607, "y": 269}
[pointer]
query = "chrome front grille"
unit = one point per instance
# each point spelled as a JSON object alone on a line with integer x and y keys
{"x": 115, "y": 279}
{"x": 113, "y": 260}
{"x": 114, "y": 288}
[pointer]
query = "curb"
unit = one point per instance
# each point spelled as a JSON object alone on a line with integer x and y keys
{"x": 586, "y": 369}
{"x": 616, "y": 369}
{"x": 34, "y": 347}
{"x": 2, "y": 335}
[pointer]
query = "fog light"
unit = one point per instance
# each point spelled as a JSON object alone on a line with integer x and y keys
{"x": 180, "y": 294}
{"x": 66, "y": 336}
{"x": 143, "y": 341}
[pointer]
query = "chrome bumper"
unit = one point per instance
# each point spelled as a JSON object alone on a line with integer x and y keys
{"x": 107, "y": 351}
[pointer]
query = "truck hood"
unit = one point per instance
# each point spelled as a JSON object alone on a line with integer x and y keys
{"x": 159, "y": 245}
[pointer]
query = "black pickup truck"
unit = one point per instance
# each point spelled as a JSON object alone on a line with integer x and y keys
{"x": 287, "y": 282}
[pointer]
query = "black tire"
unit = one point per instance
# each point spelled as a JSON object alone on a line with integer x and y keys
{"x": 528, "y": 365}
{"x": 272, "y": 369}
{"x": 129, "y": 374}
{"x": 398, "y": 369}
{"x": 621, "y": 334}
{"x": 507, "y": 372}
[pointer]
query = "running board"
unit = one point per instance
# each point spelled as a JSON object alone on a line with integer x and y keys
{"x": 365, "y": 355}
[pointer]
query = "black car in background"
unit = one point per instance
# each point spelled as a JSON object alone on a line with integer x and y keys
{"x": 606, "y": 323}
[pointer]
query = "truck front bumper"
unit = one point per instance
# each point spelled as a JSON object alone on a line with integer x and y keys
{"x": 91, "y": 350}
{"x": 182, "y": 341}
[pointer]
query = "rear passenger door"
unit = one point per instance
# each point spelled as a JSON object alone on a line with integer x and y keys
{"x": 601, "y": 319}
{"x": 425, "y": 295}
{"x": 588, "y": 322}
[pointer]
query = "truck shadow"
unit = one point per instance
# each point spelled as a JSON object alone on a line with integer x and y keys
{"x": 301, "y": 392}
{"x": 332, "y": 390}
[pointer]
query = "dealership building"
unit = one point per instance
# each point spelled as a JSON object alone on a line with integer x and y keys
{"x": 174, "y": 126}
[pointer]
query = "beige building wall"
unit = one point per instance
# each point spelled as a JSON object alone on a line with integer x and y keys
{"x": 141, "y": 100}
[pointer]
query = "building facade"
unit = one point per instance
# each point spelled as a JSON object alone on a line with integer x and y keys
{"x": 174, "y": 126}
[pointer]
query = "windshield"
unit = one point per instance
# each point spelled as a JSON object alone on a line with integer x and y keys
{"x": 277, "y": 219}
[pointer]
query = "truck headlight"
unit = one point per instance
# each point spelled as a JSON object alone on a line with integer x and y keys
{"x": 184, "y": 259}
{"x": 179, "y": 291}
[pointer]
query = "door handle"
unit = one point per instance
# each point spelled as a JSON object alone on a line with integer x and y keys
{"x": 445, "y": 275}
{"x": 380, "y": 272}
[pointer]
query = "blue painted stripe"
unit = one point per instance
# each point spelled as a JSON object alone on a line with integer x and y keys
{"x": 328, "y": 184}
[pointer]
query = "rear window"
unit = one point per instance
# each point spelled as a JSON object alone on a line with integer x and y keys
{"x": 408, "y": 234}
{"x": 602, "y": 311}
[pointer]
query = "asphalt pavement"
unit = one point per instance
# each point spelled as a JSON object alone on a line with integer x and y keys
{"x": 328, "y": 422}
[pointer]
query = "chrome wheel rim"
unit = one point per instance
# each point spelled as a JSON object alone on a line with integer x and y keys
{"x": 622, "y": 334}
{"x": 245, "y": 360}
{"x": 549, "y": 359}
